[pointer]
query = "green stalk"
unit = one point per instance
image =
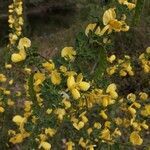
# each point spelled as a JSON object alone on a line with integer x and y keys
{"x": 138, "y": 12}
{"x": 31, "y": 88}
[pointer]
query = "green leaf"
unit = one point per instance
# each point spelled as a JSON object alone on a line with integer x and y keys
{"x": 31, "y": 88}
{"x": 100, "y": 65}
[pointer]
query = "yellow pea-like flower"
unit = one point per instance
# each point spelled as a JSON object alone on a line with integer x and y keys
{"x": 135, "y": 138}
{"x": 45, "y": 145}
{"x": 16, "y": 57}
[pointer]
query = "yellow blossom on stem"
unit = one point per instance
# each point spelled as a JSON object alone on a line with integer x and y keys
{"x": 103, "y": 114}
{"x": 135, "y": 138}
{"x": 143, "y": 96}
{"x": 111, "y": 23}
{"x": 2, "y": 109}
{"x": 105, "y": 135}
{"x": 111, "y": 59}
{"x": 24, "y": 43}
{"x": 68, "y": 53}
{"x": 3, "y": 78}
{"x": 70, "y": 145}
{"x": 92, "y": 27}
{"x": 55, "y": 77}
{"x": 45, "y": 145}
{"x": 76, "y": 86}
{"x": 50, "y": 132}
{"x": 18, "y": 138}
{"x": 60, "y": 113}
{"x": 49, "y": 66}
{"x": 19, "y": 120}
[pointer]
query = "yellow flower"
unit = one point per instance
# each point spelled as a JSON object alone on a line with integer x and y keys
{"x": 121, "y": 1}
{"x": 63, "y": 69}
{"x": 105, "y": 134}
{"x": 131, "y": 97}
{"x": 91, "y": 147}
{"x": 111, "y": 23}
{"x": 60, "y": 113}
{"x": 27, "y": 70}
{"x": 111, "y": 89}
{"x": 68, "y": 53}
{"x": 107, "y": 124}
{"x": 111, "y": 70}
{"x": 8, "y": 66}
{"x": 2, "y": 109}
{"x": 122, "y": 73}
{"x": 144, "y": 125}
{"x": 7, "y": 92}
{"x": 49, "y": 65}
{"x": 82, "y": 142}
{"x": 111, "y": 59}
{"x": 27, "y": 105}
{"x": 3, "y": 78}
{"x": 116, "y": 133}
{"x": 49, "y": 131}
{"x": 137, "y": 105}
{"x": 49, "y": 111}
{"x": 10, "y": 102}
{"x": 17, "y": 57}
{"x": 132, "y": 111}
{"x": 18, "y": 138}
{"x": 148, "y": 50}
{"x": 79, "y": 125}
{"x": 89, "y": 131}
{"x": 39, "y": 78}
{"x": 118, "y": 121}
{"x": 76, "y": 86}
{"x": 146, "y": 110}
{"x": 19, "y": 120}
{"x": 43, "y": 137}
{"x": 91, "y": 27}
{"x": 109, "y": 15}
{"x": 103, "y": 114}
{"x": 97, "y": 125}
{"x": 45, "y": 145}
{"x": 105, "y": 101}
{"x": 71, "y": 82}
{"x": 24, "y": 42}
{"x": 55, "y": 77}
{"x": 129, "y": 5}
{"x": 84, "y": 86}
{"x": 143, "y": 96}
{"x": 135, "y": 138}
{"x": 19, "y": 10}
{"x": 66, "y": 103}
{"x": 70, "y": 145}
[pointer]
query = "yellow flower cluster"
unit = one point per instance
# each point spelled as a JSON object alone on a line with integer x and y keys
{"x": 23, "y": 44}
{"x": 123, "y": 66}
{"x": 145, "y": 60}
{"x": 110, "y": 23}
{"x": 18, "y": 137}
{"x": 128, "y": 4}
{"x": 15, "y": 20}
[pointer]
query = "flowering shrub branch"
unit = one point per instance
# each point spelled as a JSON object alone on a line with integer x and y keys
{"x": 64, "y": 105}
